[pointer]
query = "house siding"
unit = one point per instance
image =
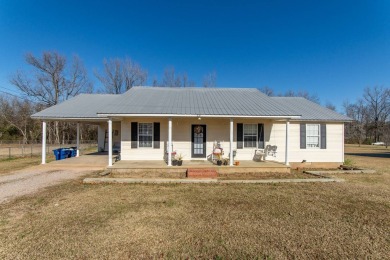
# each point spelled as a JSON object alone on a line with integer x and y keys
{"x": 218, "y": 130}
{"x": 116, "y": 139}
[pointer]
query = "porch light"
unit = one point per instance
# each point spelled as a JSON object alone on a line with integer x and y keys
{"x": 199, "y": 118}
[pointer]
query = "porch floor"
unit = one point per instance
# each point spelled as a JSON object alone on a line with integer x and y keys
{"x": 193, "y": 164}
{"x": 100, "y": 160}
{"x": 160, "y": 168}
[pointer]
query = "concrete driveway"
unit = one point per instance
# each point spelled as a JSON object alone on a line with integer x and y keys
{"x": 33, "y": 179}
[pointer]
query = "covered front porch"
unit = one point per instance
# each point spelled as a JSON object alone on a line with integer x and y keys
{"x": 158, "y": 140}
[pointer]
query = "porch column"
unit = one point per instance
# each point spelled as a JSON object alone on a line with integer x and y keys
{"x": 78, "y": 140}
{"x": 287, "y": 143}
{"x": 43, "y": 142}
{"x": 110, "y": 142}
{"x": 231, "y": 143}
{"x": 170, "y": 141}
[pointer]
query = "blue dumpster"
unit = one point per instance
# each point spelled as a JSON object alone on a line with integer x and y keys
{"x": 73, "y": 152}
{"x": 67, "y": 153}
{"x": 57, "y": 154}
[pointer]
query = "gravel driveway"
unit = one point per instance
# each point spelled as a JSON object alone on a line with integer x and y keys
{"x": 30, "y": 180}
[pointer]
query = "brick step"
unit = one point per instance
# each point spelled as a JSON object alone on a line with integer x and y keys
{"x": 201, "y": 173}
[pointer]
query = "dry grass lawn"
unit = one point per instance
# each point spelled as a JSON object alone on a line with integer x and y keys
{"x": 315, "y": 221}
{"x": 18, "y": 163}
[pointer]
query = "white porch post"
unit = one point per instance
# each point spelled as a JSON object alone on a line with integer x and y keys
{"x": 170, "y": 141}
{"x": 231, "y": 143}
{"x": 78, "y": 140}
{"x": 110, "y": 142}
{"x": 287, "y": 143}
{"x": 43, "y": 142}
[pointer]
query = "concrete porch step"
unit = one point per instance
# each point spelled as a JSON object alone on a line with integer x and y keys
{"x": 202, "y": 173}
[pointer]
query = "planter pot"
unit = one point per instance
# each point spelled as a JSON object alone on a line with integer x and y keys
{"x": 237, "y": 163}
{"x": 179, "y": 163}
{"x": 219, "y": 162}
{"x": 174, "y": 162}
{"x": 225, "y": 162}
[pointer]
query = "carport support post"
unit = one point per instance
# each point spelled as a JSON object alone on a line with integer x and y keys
{"x": 109, "y": 142}
{"x": 43, "y": 142}
{"x": 78, "y": 140}
{"x": 231, "y": 143}
{"x": 170, "y": 141}
{"x": 287, "y": 144}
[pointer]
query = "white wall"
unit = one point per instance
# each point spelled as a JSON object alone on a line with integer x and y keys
{"x": 218, "y": 130}
{"x": 334, "y": 145}
{"x": 116, "y": 138}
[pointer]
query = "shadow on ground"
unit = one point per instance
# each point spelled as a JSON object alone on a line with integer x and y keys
{"x": 376, "y": 155}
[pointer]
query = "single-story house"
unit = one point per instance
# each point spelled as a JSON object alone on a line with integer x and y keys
{"x": 154, "y": 123}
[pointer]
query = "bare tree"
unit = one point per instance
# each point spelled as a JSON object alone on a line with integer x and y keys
{"x": 17, "y": 113}
{"x": 378, "y": 104}
{"x": 356, "y": 130}
{"x": 386, "y": 133}
{"x": 51, "y": 83}
{"x": 267, "y": 90}
{"x": 121, "y": 75}
{"x": 210, "y": 80}
{"x": 330, "y": 106}
{"x": 291, "y": 93}
{"x": 187, "y": 82}
{"x": 133, "y": 74}
{"x": 173, "y": 80}
{"x": 112, "y": 77}
{"x": 169, "y": 79}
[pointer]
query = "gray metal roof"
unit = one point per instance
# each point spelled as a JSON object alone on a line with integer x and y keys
{"x": 82, "y": 106}
{"x": 309, "y": 110}
{"x": 187, "y": 102}
{"x": 195, "y": 101}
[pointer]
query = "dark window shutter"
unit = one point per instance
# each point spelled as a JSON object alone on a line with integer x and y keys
{"x": 303, "y": 136}
{"x": 156, "y": 135}
{"x": 240, "y": 136}
{"x": 134, "y": 135}
{"x": 323, "y": 136}
{"x": 260, "y": 136}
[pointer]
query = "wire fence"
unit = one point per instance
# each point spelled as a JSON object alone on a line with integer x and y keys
{"x": 12, "y": 149}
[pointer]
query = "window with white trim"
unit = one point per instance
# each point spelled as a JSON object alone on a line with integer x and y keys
{"x": 145, "y": 135}
{"x": 313, "y": 136}
{"x": 250, "y": 135}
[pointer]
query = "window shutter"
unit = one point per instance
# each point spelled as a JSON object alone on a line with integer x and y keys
{"x": 240, "y": 134}
{"x": 303, "y": 136}
{"x": 260, "y": 136}
{"x": 156, "y": 135}
{"x": 134, "y": 135}
{"x": 323, "y": 136}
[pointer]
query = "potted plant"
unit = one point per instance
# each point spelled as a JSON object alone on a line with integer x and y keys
{"x": 174, "y": 162}
{"x": 219, "y": 162}
{"x": 180, "y": 160}
{"x": 225, "y": 161}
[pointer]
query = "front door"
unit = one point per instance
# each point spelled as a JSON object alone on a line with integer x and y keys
{"x": 198, "y": 141}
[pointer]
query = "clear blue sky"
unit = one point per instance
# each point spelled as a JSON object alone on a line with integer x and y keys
{"x": 331, "y": 48}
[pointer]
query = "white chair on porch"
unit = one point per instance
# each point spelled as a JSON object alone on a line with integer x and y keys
{"x": 259, "y": 155}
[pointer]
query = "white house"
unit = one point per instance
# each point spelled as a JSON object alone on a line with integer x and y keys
{"x": 149, "y": 123}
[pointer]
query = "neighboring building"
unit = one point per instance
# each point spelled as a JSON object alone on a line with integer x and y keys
{"x": 147, "y": 122}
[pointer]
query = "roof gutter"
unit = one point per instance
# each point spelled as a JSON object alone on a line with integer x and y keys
{"x": 70, "y": 118}
{"x": 200, "y": 115}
